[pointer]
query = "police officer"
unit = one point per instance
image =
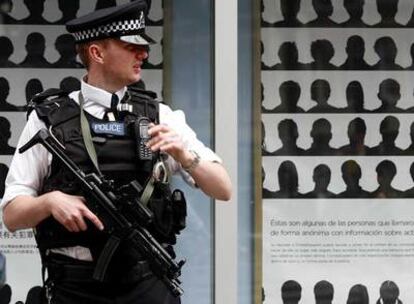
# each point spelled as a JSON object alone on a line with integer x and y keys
{"x": 41, "y": 194}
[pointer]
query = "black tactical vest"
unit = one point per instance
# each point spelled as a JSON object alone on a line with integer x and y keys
{"x": 117, "y": 161}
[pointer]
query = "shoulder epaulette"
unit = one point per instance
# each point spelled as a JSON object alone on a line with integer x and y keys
{"x": 45, "y": 95}
{"x": 45, "y": 101}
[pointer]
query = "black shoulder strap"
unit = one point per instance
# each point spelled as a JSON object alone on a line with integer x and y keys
{"x": 144, "y": 103}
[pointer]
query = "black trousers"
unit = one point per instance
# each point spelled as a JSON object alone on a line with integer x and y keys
{"x": 71, "y": 282}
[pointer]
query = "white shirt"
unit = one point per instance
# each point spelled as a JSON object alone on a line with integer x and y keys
{"x": 28, "y": 170}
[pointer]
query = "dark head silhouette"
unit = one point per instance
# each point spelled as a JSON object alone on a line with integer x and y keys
{"x": 5, "y": 294}
{"x": 320, "y": 91}
{"x": 6, "y": 7}
{"x": 288, "y": 180}
{"x": 389, "y": 94}
{"x": 386, "y": 171}
{"x": 386, "y": 50}
{"x": 33, "y": 87}
{"x": 358, "y": 294}
{"x": 3, "y": 173}
{"x": 100, "y": 4}
{"x": 36, "y": 9}
{"x": 322, "y": 52}
{"x": 389, "y": 129}
{"x": 34, "y": 295}
{"x": 389, "y": 293}
{"x": 354, "y": 8}
{"x": 356, "y": 133}
{"x": 351, "y": 173}
{"x": 289, "y": 92}
{"x": 322, "y": 178}
{"x": 70, "y": 84}
{"x": 355, "y": 97}
{"x": 355, "y": 49}
{"x": 6, "y": 51}
{"x": 321, "y": 135}
{"x": 65, "y": 45}
{"x": 387, "y": 10}
{"x": 68, "y": 9}
{"x": 291, "y": 292}
{"x": 35, "y": 47}
{"x": 324, "y": 292}
{"x": 289, "y": 56}
{"x": 289, "y": 10}
{"x": 288, "y": 134}
{"x": 323, "y": 8}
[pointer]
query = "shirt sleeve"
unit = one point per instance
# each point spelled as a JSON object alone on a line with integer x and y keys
{"x": 176, "y": 120}
{"x": 27, "y": 170}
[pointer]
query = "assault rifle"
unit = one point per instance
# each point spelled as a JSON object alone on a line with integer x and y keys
{"x": 126, "y": 219}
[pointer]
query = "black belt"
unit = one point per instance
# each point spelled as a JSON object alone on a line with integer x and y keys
{"x": 70, "y": 270}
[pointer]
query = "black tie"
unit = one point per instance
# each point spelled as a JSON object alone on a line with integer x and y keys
{"x": 114, "y": 103}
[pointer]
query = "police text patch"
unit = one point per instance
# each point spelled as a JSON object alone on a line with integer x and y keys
{"x": 114, "y": 128}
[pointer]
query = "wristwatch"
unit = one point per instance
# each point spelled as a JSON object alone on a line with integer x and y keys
{"x": 194, "y": 163}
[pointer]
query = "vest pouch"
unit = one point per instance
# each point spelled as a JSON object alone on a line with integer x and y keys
{"x": 179, "y": 206}
{"x": 163, "y": 218}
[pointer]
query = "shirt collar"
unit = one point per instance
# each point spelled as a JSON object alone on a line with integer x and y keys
{"x": 96, "y": 100}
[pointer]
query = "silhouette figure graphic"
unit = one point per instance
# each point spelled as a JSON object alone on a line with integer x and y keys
{"x": 288, "y": 134}
{"x": 289, "y": 10}
{"x": 35, "y": 47}
{"x": 410, "y": 191}
{"x": 5, "y": 134}
{"x": 323, "y": 292}
{"x": 386, "y": 171}
{"x": 320, "y": 93}
{"x": 291, "y": 292}
{"x": 288, "y": 55}
{"x": 70, "y": 84}
{"x": 322, "y": 52}
{"x": 69, "y": 10}
{"x": 33, "y": 87}
{"x": 148, "y": 65}
{"x": 6, "y": 51}
{"x": 65, "y": 45}
{"x": 358, "y": 294}
{"x": 354, "y": 98}
{"x": 386, "y": 50}
{"x": 323, "y": 10}
{"x": 6, "y": 7}
{"x": 100, "y": 4}
{"x": 266, "y": 193}
{"x": 410, "y": 148}
{"x": 389, "y": 94}
{"x": 355, "y": 50}
{"x": 36, "y": 9}
{"x": 356, "y": 135}
{"x": 321, "y": 135}
{"x": 389, "y": 129}
{"x": 35, "y": 295}
{"x": 351, "y": 174}
{"x": 321, "y": 178}
{"x": 289, "y": 92}
{"x": 387, "y": 10}
{"x": 288, "y": 181}
{"x": 4, "y": 93}
{"x": 389, "y": 293}
{"x": 355, "y": 10}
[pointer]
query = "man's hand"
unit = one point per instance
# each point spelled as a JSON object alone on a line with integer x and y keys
{"x": 71, "y": 211}
{"x": 165, "y": 139}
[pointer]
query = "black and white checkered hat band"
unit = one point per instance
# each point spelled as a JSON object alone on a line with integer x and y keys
{"x": 123, "y": 27}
